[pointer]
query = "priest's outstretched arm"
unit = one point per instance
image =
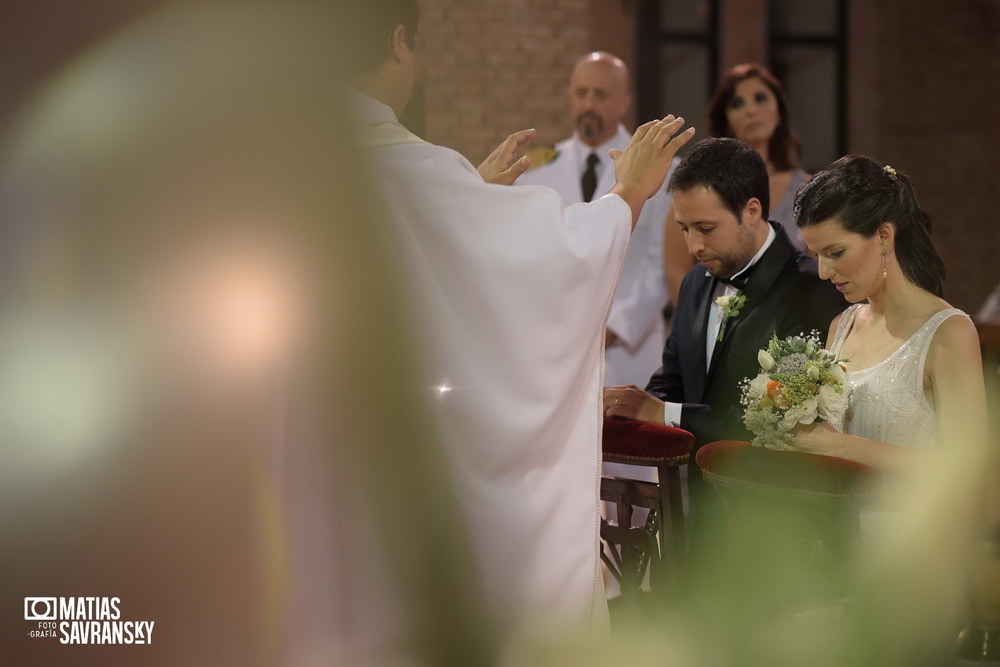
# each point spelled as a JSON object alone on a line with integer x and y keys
{"x": 639, "y": 171}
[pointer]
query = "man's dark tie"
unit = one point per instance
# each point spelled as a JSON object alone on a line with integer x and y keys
{"x": 588, "y": 183}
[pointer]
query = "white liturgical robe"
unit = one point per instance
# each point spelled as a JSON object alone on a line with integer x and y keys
{"x": 637, "y": 312}
{"x": 511, "y": 293}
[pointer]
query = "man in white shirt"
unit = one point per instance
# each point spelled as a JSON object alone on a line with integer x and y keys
{"x": 579, "y": 169}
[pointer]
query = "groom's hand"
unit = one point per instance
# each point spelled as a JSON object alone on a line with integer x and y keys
{"x": 630, "y": 402}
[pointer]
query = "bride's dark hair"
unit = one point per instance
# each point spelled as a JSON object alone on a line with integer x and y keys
{"x": 862, "y": 194}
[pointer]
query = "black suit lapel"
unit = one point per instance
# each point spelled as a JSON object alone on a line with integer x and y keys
{"x": 764, "y": 275}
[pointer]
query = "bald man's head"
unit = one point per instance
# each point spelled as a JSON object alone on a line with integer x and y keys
{"x": 599, "y": 96}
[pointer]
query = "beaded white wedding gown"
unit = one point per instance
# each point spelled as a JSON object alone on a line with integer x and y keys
{"x": 887, "y": 402}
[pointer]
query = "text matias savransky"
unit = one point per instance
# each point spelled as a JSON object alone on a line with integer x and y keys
{"x": 85, "y": 620}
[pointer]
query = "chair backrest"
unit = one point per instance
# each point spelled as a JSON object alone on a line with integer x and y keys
{"x": 787, "y": 474}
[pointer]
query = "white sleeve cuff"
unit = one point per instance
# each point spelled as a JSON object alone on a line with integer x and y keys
{"x": 672, "y": 414}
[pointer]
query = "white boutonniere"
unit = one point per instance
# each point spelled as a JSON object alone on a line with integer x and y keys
{"x": 730, "y": 305}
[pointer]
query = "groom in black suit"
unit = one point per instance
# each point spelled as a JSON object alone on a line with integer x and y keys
{"x": 721, "y": 200}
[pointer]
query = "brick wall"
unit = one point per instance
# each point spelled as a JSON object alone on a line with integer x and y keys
{"x": 492, "y": 67}
{"x": 926, "y": 90}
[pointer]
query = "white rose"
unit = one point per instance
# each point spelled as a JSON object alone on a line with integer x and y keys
{"x": 832, "y": 406}
{"x": 804, "y": 413}
{"x": 765, "y": 360}
{"x": 723, "y": 301}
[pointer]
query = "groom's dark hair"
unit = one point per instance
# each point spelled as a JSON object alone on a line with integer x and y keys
{"x": 731, "y": 168}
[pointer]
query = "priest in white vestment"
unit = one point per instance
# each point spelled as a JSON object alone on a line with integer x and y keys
{"x": 511, "y": 294}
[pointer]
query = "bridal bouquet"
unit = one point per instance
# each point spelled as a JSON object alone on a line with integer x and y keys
{"x": 799, "y": 382}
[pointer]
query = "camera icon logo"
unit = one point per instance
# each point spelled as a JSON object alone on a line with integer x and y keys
{"x": 40, "y": 609}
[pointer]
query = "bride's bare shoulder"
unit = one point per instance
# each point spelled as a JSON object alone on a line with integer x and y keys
{"x": 956, "y": 339}
{"x": 958, "y": 328}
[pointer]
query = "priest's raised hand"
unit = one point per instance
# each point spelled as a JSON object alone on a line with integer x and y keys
{"x": 502, "y": 166}
{"x": 642, "y": 167}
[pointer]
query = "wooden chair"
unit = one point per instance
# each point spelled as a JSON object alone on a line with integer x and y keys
{"x": 791, "y": 520}
{"x": 658, "y": 542}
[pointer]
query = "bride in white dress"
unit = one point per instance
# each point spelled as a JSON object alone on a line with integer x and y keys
{"x": 914, "y": 365}
{"x": 917, "y": 402}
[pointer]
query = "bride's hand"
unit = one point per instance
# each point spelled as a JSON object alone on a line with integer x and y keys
{"x": 816, "y": 438}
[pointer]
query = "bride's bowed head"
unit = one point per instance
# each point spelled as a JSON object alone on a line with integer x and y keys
{"x": 888, "y": 233}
